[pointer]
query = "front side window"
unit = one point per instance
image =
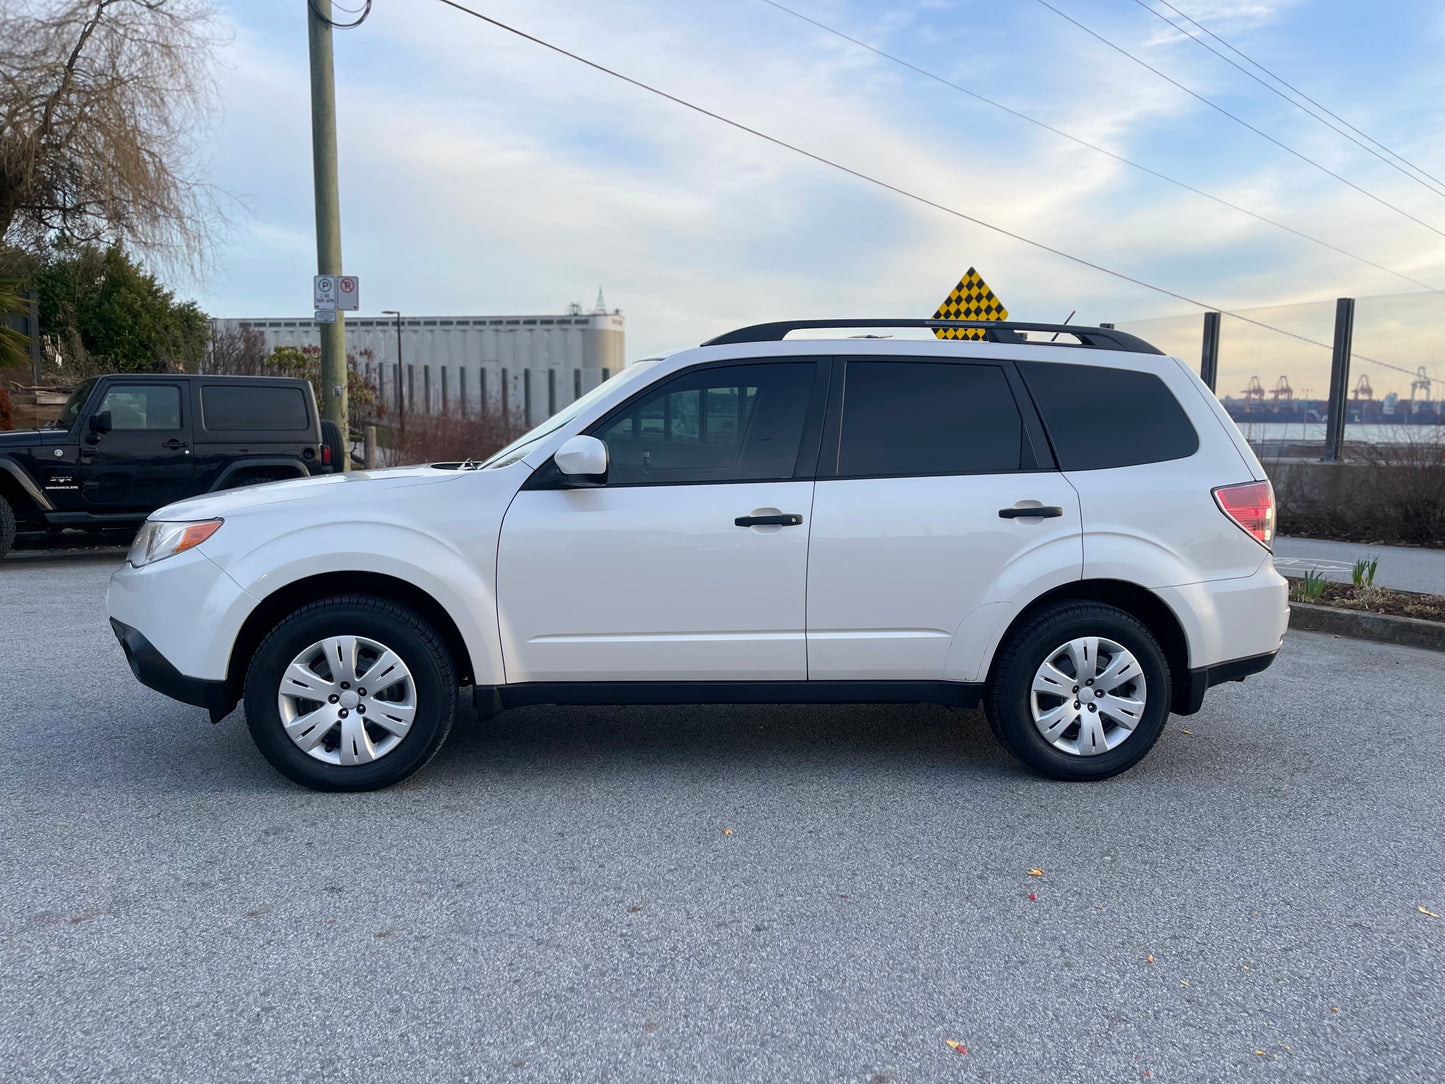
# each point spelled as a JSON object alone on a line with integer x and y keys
{"x": 731, "y": 423}
{"x": 143, "y": 406}
{"x": 917, "y": 418}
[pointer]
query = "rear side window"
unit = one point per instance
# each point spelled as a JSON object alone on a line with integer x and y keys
{"x": 232, "y": 408}
{"x": 1100, "y": 417}
{"x": 909, "y": 418}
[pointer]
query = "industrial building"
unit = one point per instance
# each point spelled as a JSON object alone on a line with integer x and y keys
{"x": 529, "y": 365}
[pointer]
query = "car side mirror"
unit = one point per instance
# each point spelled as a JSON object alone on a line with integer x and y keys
{"x": 100, "y": 423}
{"x": 582, "y": 458}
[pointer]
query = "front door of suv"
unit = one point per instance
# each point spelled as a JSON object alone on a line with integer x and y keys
{"x": 659, "y": 575}
{"x": 921, "y": 538}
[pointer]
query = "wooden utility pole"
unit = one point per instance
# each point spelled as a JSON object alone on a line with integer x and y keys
{"x": 328, "y": 214}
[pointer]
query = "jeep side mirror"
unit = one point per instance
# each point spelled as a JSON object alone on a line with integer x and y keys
{"x": 100, "y": 423}
{"x": 582, "y": 457}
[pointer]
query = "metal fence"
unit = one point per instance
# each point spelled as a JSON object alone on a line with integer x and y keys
{"x": 1308, "y": 378}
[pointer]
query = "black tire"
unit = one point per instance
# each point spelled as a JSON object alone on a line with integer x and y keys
{"x": 7, "y": 526}
{"x": 331, "y": 438}
{"x": 1008, "y": 698}
{"x": 401, "y": 630}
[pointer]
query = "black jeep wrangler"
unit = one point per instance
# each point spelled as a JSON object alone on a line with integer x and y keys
{"x": 123, "y": 446}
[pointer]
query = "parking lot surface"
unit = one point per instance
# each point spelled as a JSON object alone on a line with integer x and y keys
{"x": 556, "y": 897}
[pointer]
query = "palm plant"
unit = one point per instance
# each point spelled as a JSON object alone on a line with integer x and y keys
{"x": 14, "y": 346}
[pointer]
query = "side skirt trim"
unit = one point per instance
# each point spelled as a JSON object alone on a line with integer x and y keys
{"x": 951, "y": 693}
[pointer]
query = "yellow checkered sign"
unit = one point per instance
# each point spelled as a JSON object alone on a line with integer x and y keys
{"x": 971, "y": 299}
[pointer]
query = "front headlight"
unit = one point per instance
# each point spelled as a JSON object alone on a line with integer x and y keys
{"x": 159, "y": 540}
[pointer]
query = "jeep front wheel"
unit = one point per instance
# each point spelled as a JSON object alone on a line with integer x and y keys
{"x": 7, "y": 527}
{"x": 350, "y": 693}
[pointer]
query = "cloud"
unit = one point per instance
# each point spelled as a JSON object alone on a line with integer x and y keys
{"x": 482, "y": 174}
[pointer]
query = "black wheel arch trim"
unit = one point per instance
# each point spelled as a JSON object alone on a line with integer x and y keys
{"x": 26, "y": 484}
{"x": 263, "y": 462}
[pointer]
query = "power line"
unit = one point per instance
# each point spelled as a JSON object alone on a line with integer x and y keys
{"x": 1290, "y": 86}
{"x": 884, "y": 184}
{"x": 1240, "y": 120}
{"x": 1095, "y": 147}
{"x": 360, "y": 16}
{"x": 1433, "y": 189}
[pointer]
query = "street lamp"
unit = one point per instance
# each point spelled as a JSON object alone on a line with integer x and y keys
{"x": 400, "y": 377}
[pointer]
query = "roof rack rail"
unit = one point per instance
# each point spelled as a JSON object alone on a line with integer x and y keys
{"x": 994, "y": 332}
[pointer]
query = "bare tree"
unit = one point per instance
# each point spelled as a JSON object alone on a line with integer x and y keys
{"x": 101, "y": 106}
{"x": 238, "y": 351}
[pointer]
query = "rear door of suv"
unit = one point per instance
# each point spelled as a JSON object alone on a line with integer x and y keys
{"x": 922, "y": 529}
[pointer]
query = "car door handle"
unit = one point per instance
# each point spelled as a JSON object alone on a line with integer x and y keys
{"x": 1047, "y": 511}
{"x": 782, "y": 519}
{"x": 175, "y": 445}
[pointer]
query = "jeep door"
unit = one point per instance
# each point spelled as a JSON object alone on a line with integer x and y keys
{"x": 660, "y": 574}
{"x": 922, "y": 541}
{"x": 144, "y": 461}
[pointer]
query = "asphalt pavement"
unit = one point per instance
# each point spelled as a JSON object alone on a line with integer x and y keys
{"x": 1406, "y": 568}
{"x": 556, "y": 897}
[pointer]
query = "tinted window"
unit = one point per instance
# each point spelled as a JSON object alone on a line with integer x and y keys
{"x": 928, "y": 418}
{"x": 726, "y": 424}
{"x": 142, "y": 406}
{"x": 1099, "y": 417}
{"x": 232, "y": 407}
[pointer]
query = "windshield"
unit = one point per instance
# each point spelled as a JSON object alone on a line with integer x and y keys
{"x": 72, "y": 407}
{"x": 519, "y": 448}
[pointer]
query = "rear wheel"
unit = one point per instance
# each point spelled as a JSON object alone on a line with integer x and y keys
{"x": 1081, "y": 692}
{"x": 350, "y": 693}
{"x": 7, "y": 527}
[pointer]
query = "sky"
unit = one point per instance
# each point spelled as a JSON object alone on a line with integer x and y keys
{"x": 482, "y": 174}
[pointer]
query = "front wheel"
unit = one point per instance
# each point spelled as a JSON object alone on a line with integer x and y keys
{"x": 350, "y": 693}
{"x": 1081, "y": 692}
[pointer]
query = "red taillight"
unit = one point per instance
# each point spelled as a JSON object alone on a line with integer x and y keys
{"x": 326, "y": 455}
{"x": 1251, "y": 505}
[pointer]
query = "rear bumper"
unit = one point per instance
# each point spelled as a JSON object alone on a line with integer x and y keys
{"x": 153, "y": 669}
{"x": 1206, "y": 676}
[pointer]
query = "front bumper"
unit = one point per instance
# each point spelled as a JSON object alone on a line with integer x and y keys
{"x": 153, "y": 669}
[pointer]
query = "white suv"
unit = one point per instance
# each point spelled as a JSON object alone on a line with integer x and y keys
{"x": 1071, "y": 533}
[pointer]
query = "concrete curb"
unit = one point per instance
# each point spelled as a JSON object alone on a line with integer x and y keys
{"x": 1382, "y": 628}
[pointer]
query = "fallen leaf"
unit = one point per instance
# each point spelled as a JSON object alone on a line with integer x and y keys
{"x": 1149, "y": 959}
{"x": 1183, "y": 983}
{"x": 1245, "y": 966}
{"x": 634, "y": 909}
{"x": 1036, "y": 872}
{"x": 1261, "y": 1053}
{"x": 956, "y": 1045}
{"x": 1186, "y": 731}
{"x": 1334, "y": 1008}
{"x": 1033, "y": 895}
{"x": 842, "y": 895}
{"x": 727, "y": 831}
{"x": 1148, "y": 1075}
{"x": 1422, "y": 910}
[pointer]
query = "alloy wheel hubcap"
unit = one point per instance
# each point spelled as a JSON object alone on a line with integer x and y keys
{"x": 347, "y": 700}
{"x": 1088, "y": 696}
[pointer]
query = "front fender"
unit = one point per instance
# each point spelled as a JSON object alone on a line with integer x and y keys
{"x": 27, "y": 484}
{"x": 463, "y": 585}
